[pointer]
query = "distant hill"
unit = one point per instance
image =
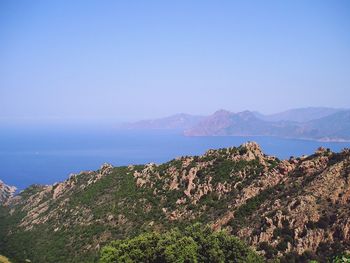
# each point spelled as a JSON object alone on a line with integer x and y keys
{"x": 335, "y": 127}
{"x": 225, "y": 123}
{"x": 300, "y": 114}
{"x": 180, "y": 121}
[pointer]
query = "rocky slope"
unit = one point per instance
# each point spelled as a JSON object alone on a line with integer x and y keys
{"x": 293, "y": 209}
{"x": 6, "y": 192}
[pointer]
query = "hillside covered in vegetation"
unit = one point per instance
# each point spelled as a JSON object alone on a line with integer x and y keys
{"x": 294, "y": 210}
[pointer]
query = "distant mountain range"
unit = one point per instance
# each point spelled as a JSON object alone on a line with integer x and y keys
{"x": 179, "y": 121}
{"x": 314, "y": 123}
{"x": 300, "y": 114}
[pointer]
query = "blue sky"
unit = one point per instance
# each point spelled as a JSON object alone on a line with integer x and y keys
{"x": 130, "y": 59}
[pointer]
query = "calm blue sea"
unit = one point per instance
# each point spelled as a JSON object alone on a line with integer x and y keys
{"x": 48, "y": 155}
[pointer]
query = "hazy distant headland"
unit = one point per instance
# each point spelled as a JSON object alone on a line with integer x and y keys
{"x": 313, "y": 123}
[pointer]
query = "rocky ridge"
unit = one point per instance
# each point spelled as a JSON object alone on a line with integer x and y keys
{"x": 295, "y": 207}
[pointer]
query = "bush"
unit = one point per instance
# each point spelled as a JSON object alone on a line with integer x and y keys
{"x": 270, "y": 251}
{"x": 252, "y": 204}
{"x": 196, "y": 243}
{"x": 345, "y": 258}
{"x": 282, "y": 245}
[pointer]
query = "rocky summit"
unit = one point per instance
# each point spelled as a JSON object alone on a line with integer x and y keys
{"x": 293, "y": 210}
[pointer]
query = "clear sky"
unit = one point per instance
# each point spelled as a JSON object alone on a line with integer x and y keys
{"x": 138, "y": 59}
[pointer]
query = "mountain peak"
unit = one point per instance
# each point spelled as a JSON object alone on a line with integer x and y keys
{"x": 222, "y": 112}
{"x": 254, "y": 147}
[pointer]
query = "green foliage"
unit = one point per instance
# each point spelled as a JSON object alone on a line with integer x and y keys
{"x": 247, "y": 209}
{"x": 270, "y": 251}
{"x": 223, "y": 169}
{"x": 330, "y": 250}
{"x": 310, "y": 257}
{"x": 273, "y": 163}
{"x": 345, "y": 258}
{"x": 113, "y": 194}
{"x": 286, "y": 235}
{"x": 282, "y": 245}
{"x": 277, "y": 232}
{"x": 196, "y": 243}
{"x": 31, "y": 190}
{"x": 324, "y": 222}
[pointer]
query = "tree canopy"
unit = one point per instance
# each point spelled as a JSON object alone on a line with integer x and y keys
{"x": 196, "y": 243}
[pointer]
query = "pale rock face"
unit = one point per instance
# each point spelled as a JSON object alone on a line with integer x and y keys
{"x": 253, "y": 147}
{"x": 105, "y": 169}
{"x": 190, "y": 177}
{"x": 143, "y": 178}
{"x": 6, "y": 192}
{"x": 346, "y": 230}
{"x": 311, "y": 241}
{"x": 174, "y": 184}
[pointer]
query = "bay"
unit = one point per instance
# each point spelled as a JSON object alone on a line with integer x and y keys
{"x": 48, "y": 155}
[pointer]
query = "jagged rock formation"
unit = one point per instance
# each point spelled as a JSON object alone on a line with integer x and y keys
{"x": 6, "y": 192}
{"x": 299, "y": 206}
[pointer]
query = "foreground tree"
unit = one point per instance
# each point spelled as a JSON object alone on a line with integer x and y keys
{"x": 196, "y": 243}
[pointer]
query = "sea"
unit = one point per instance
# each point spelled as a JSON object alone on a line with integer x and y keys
{"x": 45, "y": 155}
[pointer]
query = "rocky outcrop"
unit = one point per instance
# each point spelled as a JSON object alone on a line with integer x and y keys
{"x": 6, "y": 192}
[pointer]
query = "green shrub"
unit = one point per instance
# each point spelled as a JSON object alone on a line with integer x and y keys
{"x": 270, "y": 251}
{"x": 282, "y": 245}
{"x": 196, "y": 243}
{"x": 345, "y": 258}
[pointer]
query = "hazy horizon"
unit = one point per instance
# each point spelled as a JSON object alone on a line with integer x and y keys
{"x": 76, "y": 121}
{"x": 132, "y": 60}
